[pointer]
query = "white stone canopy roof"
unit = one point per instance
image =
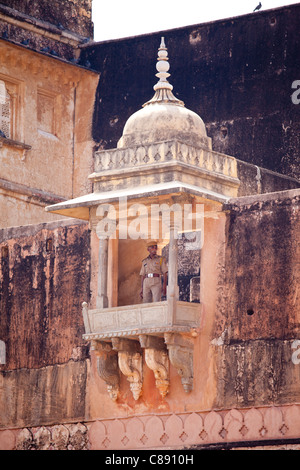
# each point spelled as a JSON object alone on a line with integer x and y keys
{"x": 164, "y": 117}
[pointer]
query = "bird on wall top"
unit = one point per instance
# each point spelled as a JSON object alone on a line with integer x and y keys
{"x": 258, "y": 7}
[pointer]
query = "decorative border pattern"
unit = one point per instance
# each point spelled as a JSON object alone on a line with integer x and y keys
{"x": 184, "y": 430}
{"x": 165, "y": 431}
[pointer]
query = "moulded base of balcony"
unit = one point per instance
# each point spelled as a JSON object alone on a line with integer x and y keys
{"x": 146, "y": 318}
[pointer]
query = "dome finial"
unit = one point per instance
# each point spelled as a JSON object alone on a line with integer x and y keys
{"x": 163, "y": 89}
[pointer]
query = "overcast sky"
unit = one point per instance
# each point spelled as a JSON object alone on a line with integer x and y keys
{"x": 122, "y": 18}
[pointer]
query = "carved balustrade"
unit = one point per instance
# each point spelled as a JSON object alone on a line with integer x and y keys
{"x": 164, "y": 152}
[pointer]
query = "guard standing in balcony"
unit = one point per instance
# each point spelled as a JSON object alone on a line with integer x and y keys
{"x": 153, "y": 267}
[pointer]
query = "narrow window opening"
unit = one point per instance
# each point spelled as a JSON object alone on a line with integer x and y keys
{"x": 49, "y": 245}
{"x": 4, "y": 251}
{"x": 224, "y": 132}
{"x": 5, "y": 112}
{"x": 2, "y": 353}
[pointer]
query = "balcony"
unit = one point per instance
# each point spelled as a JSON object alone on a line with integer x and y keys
{"x": 164, "y": 331}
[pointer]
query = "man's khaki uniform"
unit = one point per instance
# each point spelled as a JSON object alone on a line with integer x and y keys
{"x": 153, "y": 269}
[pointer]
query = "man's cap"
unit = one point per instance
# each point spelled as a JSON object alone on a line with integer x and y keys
{"x": 151, "y": 243}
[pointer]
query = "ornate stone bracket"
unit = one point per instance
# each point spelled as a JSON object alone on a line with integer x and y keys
{"x": 107, "y": 366}
{"x": 164, "y": 330}
{"x": 126, "y": 354}
{"x": 156, "y": 357}
{"x": 181, "y": 357}
{"x": 130, "y": 363}
{"x": 23, "y": 148}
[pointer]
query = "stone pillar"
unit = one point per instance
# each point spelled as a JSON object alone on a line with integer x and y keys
{"x": 112, "y": 272}
{"x": 102, "y": 299}
{"x": 173, "y": 289}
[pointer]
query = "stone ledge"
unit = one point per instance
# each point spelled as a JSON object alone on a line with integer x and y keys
{"x": 14, "y": 143}
{"x": 266, "y": 197}
{"x": 43, "y": 196}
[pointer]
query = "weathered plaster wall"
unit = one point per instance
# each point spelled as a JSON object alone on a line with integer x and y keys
{"x": 47, "y": 110}
{"x": 257, "y": 180}
{"x": 235, "y": 73}
{"x": 44, "y": 278}
{"x": 17, "y": 208}
{"x": 52, "y": 115}
{"x": 258, "y": 309}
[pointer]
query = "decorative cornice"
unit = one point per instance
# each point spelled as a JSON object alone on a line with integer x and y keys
{"x": 38, "y": 63}
{"x": 34, "y": 194}
{"x": 134, "y": 332}
{"x": 44, "y": 28}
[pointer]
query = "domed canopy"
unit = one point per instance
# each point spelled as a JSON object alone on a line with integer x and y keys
{"x": 164, "y": 117}
{"x": 160, "y": 154}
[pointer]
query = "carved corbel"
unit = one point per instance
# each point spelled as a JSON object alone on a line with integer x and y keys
{"x": 181, "y": 357}
{"x": 107, "y": 366}
{"x": 156, "y": 358}
{"x": 86, "y": 319}
{"x": 130, "y": 363}
{"x": 25, "y": 150}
